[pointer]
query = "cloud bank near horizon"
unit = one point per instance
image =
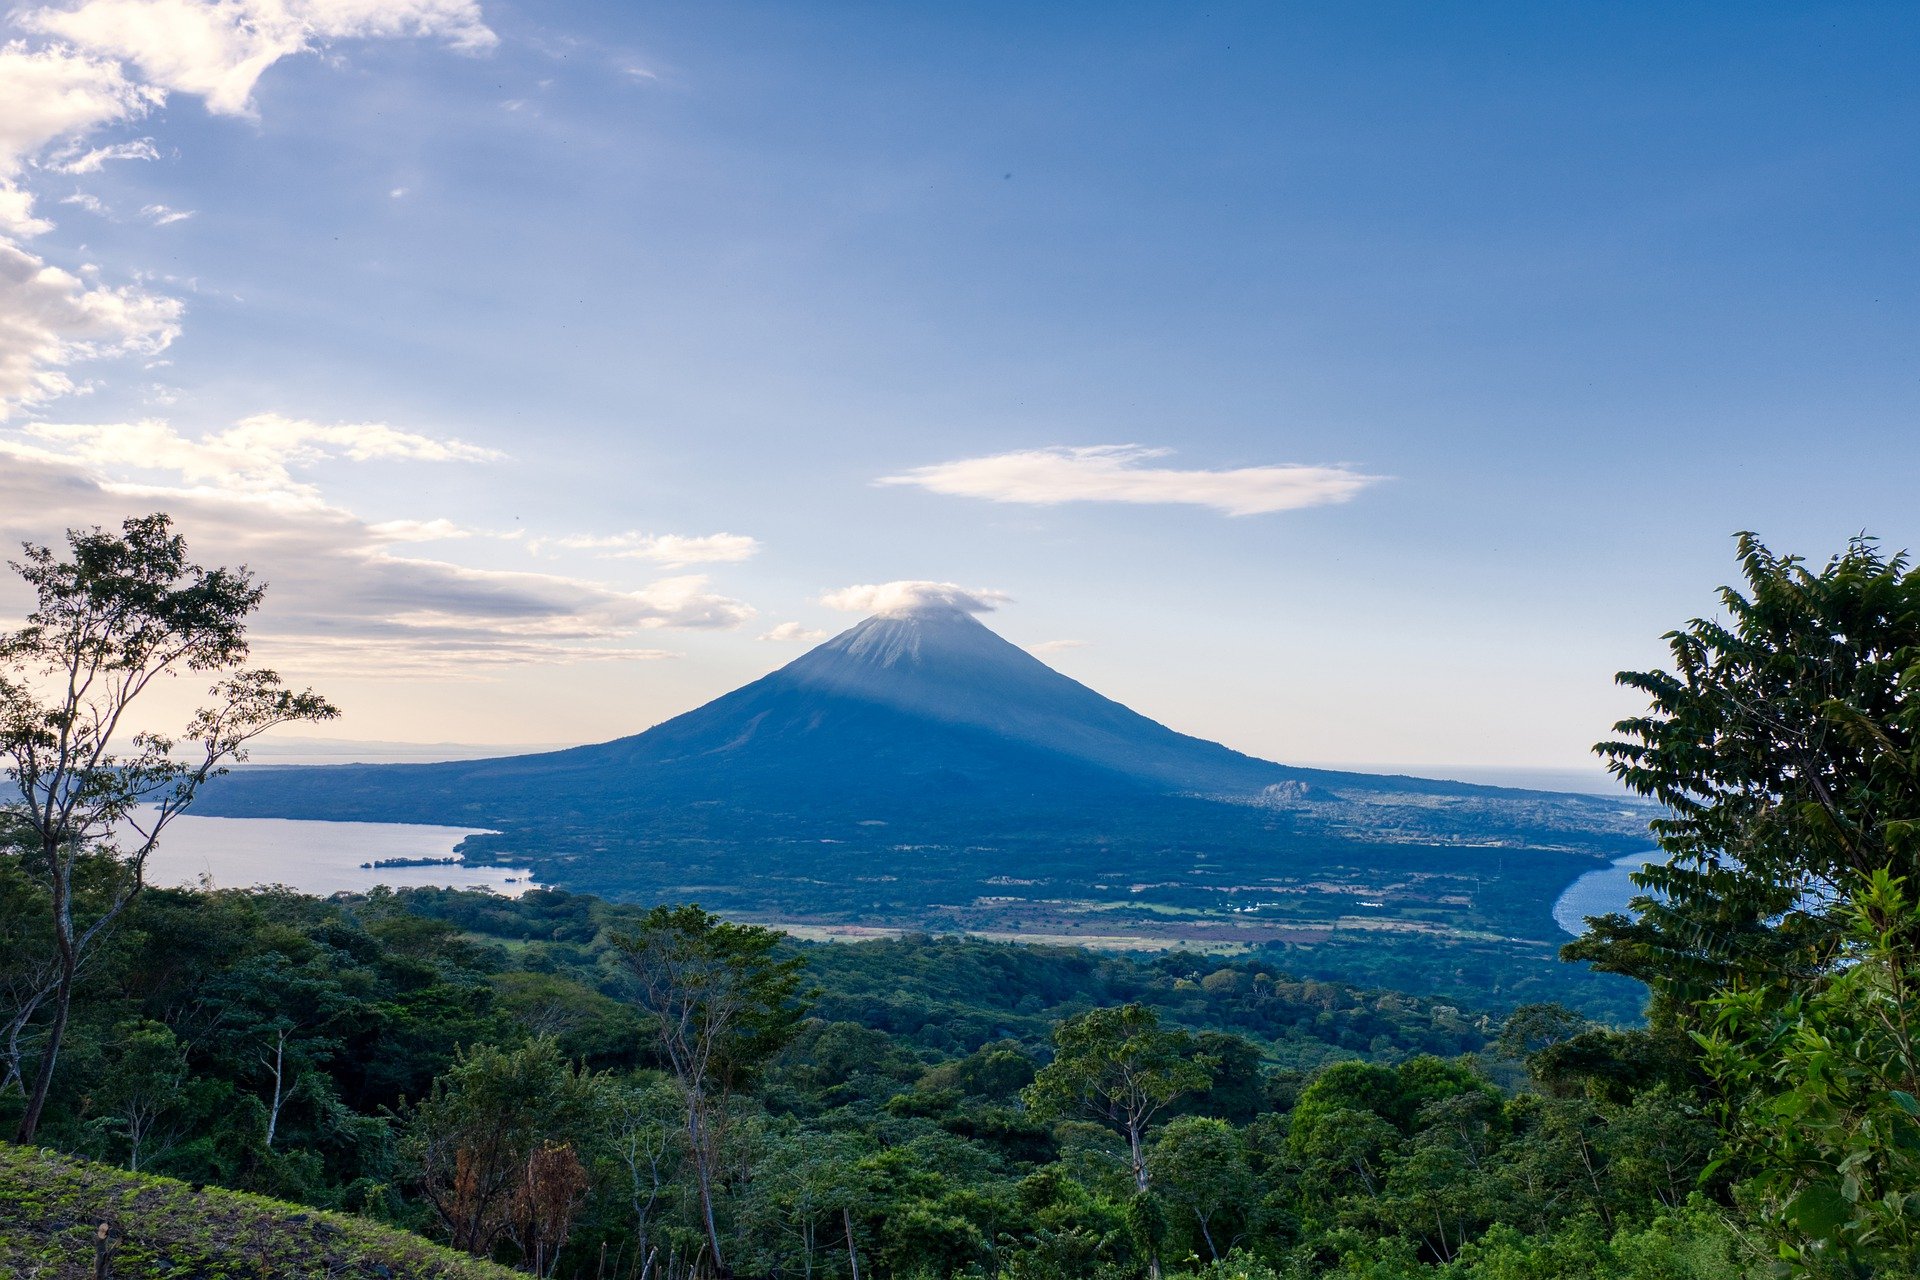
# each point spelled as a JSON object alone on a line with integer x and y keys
{"x": 1122, "y": 473}
{"x": 344, "y": 601}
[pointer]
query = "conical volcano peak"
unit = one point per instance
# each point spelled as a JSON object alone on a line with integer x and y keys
{"x": 923, "y": 634}
{"x": 933, "y": 660}
{"x": 913, "y": 624}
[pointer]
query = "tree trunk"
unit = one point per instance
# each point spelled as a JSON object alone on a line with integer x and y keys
{"x": 1139, "y": 1159}
{"x": 853, "y": 1255}
{"x": 1140, "y": 1180}
{"x": 698, "y": 1133}
{"x": 43, "y": 1077}
{"x": 1593, "y": 1178}
{"x": 17, "y": 1027}
{"x": 278, "y": 1067}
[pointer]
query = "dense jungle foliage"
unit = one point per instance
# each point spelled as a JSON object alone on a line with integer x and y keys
{"x": 332, "y": 1051}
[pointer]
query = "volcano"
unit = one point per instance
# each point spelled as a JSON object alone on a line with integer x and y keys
{"x": 933, "y": 691}
{"x": 921, "y": 751}
{"x": 908, "y": 710}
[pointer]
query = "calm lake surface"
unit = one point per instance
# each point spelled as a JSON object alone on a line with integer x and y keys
{"x": 316, "y": 857}
{"x": 1598, "y": 892}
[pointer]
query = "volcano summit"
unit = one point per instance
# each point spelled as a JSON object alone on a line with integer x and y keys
{"x": 918, "y": 769}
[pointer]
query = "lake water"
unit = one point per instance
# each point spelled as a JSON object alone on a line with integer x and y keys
{"x": 316, "y": 857}
{"x": 1598, "y": 892}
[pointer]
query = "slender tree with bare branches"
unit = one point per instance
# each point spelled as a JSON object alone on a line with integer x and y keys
{"x": 91, "y": 793}
{"x": 722, "y": 1004}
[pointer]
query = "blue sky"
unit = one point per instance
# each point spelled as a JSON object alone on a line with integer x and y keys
{"x": 527, "y": 306}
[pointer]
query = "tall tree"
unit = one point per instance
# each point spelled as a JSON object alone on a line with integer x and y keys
{"x": 271, "y": 1016}
{"x": 1121, "y": 1067}
{"x": 643, "y": 1120}
{"x": 121, "y": 614}
{"x": 147, "y": 1067}
{"x": 486, "y": 1142}
{"x": 1200, "y": 1165}
{"x": 1785, "y": 743}
{"x": 722, "y": 1003}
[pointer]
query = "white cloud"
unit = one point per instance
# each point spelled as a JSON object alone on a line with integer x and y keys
{"x": 895, "y": 598}
{"x": 341, "y": 599}
{"x": 789, "y": 632}
{"x": 669, "y": 549}
{"x": 255, "y": 457}
{"x": 75, "y": 160}
{"x": 685, "y": 601}
{"x": 218, "y": 49}
{"x": 50, "y": 318}
{"x": 54, "y": 95}
{"x": 114, "y": 61}
{"x": 1116, "y": 473}
{"x": 418, "y": 531}
{"x": 1056, "y": 646}
{"x": 16, "y": 213}
{"x": 92, "y": 204}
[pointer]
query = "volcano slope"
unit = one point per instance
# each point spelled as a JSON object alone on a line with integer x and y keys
{"x": 918, "y": 770}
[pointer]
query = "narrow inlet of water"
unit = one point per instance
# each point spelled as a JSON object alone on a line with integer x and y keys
{"x": 1599, "y": 892}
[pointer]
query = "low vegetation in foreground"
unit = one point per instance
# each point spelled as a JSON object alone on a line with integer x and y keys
{"x": 53, "y": 1207}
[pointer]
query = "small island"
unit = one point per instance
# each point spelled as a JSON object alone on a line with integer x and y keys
{"x": 381, "y": 864}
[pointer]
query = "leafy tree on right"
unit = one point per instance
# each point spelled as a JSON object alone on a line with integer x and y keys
{"x": 1781, "y": 935}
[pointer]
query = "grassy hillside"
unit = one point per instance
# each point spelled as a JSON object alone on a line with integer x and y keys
{"x": 51, "y": 1207}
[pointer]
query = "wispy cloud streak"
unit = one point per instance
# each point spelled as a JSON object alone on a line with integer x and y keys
{"x": 1124, "y": 473}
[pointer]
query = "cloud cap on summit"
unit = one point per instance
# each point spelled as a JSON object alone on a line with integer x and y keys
{"x": 897, "y": 599}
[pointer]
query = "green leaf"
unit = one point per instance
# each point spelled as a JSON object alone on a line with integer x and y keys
{"x": 1820, "y": 1210}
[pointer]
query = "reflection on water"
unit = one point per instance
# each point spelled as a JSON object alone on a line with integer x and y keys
{"x": 1599, "y": 892}
{"x": 317, "y": 857}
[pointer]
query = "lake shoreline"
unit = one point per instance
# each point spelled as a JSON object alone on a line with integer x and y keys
{"x": 323, "y": 857}
{"x": 1600, "y": 892}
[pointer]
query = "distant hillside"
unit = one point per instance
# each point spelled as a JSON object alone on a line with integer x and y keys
{"x": 918, "y": 764}
{"x": 51, "y": 1208}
